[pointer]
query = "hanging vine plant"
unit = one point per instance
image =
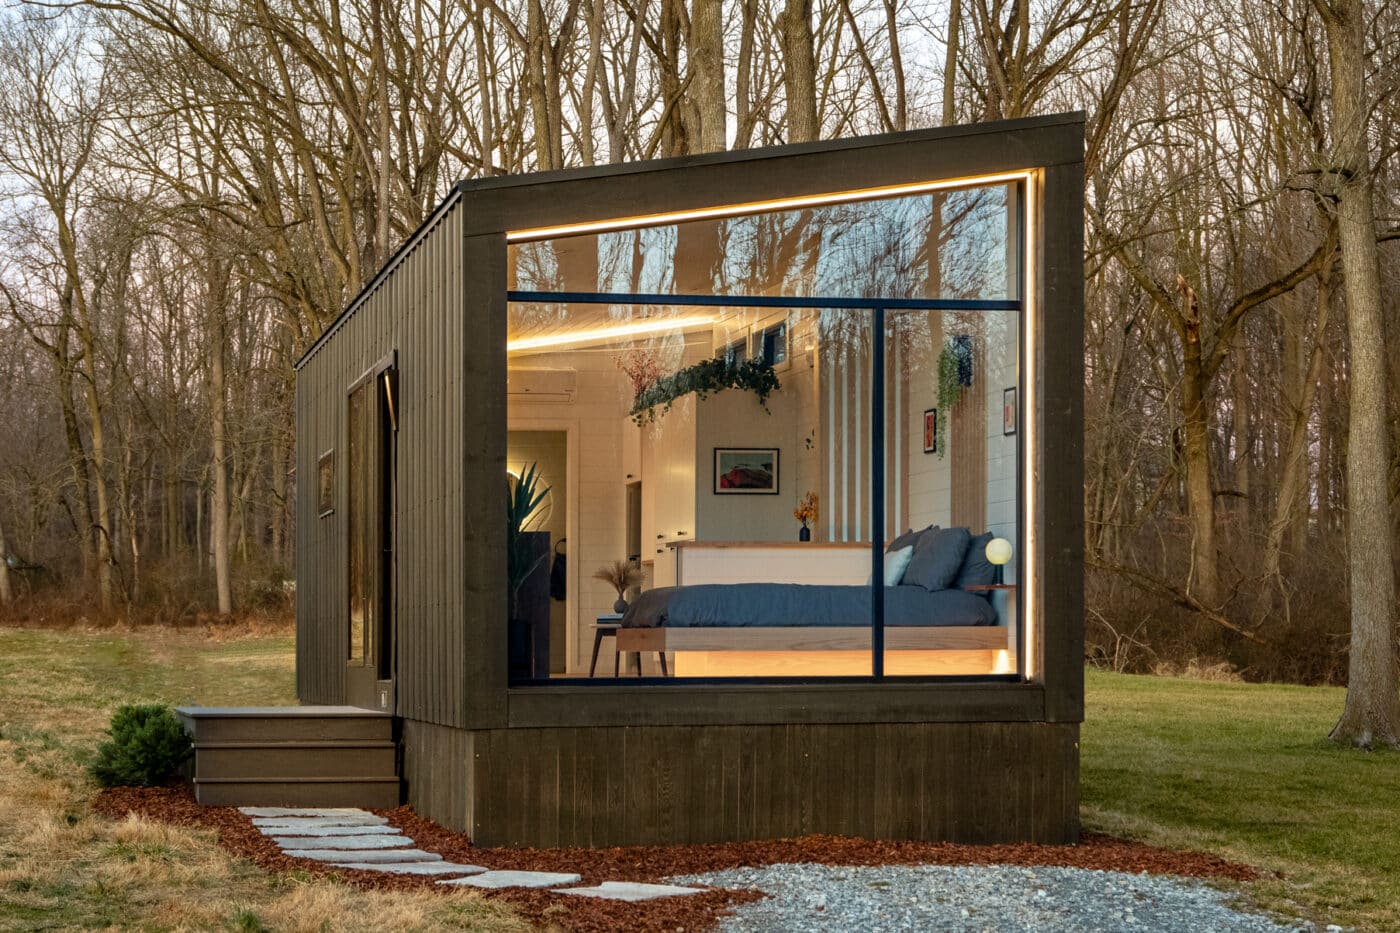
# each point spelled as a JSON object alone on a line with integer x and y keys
{"x": 705, "y": 378}
{"x": 954, "y": 376}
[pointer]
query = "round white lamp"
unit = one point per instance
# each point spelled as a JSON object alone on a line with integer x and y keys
{"x": 998, "y": 553}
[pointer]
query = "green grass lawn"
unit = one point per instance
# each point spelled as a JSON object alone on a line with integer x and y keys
{"x": 1240, "y": 770}
{"x": 1244, "y": 770}
{"x": 61, "y": 868}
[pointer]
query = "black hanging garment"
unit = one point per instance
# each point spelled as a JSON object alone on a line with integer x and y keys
{"x": 558, "y": 576}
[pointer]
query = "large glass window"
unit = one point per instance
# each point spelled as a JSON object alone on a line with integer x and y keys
{"x": 763, "y": 415}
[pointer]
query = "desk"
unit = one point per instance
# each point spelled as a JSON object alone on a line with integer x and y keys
{"x": 607, "y": 626}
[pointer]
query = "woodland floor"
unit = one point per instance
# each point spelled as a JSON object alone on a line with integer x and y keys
{"x": 1238, "y": 772}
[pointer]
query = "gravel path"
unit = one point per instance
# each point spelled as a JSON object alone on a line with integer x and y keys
{"x": 979, "y": 898}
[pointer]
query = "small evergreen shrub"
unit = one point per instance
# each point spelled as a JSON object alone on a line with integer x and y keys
{"x": 147, "y": 745}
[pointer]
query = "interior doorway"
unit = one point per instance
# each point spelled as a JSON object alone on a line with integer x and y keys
{"x": 548, "y": 452}
{"x": 372, "y": 422}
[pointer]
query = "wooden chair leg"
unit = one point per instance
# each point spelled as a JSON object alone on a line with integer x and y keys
{"x": 597, "y": 642}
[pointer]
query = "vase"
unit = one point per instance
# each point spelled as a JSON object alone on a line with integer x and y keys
{"x": 519, "y": 649}
{"x": 804, "y": 533}
{"x": 620, "y": 605}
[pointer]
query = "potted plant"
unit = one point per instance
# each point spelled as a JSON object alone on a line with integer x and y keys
{"x": 805, "y": 512}
{"x": 621, "y": 575}
{"x": 523, "y": 497}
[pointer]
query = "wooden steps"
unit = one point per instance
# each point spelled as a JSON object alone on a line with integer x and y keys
{"x": 323, "y": 756}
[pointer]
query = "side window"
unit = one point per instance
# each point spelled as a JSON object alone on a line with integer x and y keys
{"x": 736, "y": 352}
{"x": 771, "y": 343}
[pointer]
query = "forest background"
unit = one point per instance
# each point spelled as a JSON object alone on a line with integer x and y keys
{"x": 190, "y": 190}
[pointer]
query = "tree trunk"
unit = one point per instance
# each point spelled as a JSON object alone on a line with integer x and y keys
{"x": 1371, "y": 714}
{"x": 6, "y": 593}
{"x": 710, "y": 134}
{"x": 800, "y": 71}
{"x": 219, "y": 502}
{"x": 1204, "y": 580}
{"x": 1292, "y": 476}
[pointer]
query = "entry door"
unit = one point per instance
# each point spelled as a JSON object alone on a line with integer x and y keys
{"x": 373, "y": 420}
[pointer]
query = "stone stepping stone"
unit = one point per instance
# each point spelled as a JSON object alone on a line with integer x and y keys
{"x": 516, "y": 879}
{"x": 630, "y": 891}
{"x": 303, "y": 811}
{"x": 415, "y": 868}
{"x": 365, "y": 856}
{"x": 289, "y": 823}
{"x": 376, "y": 841}
{"x": 325, "y": 831}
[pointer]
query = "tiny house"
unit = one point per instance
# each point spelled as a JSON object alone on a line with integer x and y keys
{"x": 822, "y": 401}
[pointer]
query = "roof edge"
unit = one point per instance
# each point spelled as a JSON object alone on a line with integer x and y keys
{"x": 732, "y": 156}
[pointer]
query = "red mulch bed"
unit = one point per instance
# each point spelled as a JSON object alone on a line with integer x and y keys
{"x": 176, "y": 805}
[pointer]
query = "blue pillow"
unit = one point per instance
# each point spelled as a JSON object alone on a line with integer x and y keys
{"x": 910, "y": 538}
{"x": 937, "y": 558}
{"x": 976, "y": 569}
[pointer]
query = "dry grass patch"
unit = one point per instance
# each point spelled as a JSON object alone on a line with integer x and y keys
{"x": 62, "y": 867}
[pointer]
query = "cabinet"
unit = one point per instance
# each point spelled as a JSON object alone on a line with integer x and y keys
{"x": 667, "y": 460}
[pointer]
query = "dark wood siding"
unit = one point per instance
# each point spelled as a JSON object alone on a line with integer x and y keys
{"x": 962, "y": 782}
{"x": 414, "y": 310}
{"x": 1060, "y": 429}
{"x": 435, "y": 764}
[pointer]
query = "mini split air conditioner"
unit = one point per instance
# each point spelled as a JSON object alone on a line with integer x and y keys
{"x": 541, "y": 385}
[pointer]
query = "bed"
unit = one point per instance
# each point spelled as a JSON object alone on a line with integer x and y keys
{"x": 786, "y": 629}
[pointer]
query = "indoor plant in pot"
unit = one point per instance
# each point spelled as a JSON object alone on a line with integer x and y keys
{"x": 523, "y": 498}
{"x": 621, "y": 575}
{"x": 805, "y": 512}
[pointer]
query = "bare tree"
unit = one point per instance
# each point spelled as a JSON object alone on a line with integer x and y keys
{"x": 1372, "y": 711}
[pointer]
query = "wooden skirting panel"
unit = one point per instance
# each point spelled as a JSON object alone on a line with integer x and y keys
{"x": 435, "y": 762}
{"x": 962, "y": 782}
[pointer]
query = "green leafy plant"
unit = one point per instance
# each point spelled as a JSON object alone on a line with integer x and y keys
{"x": 147, "y": 745}
{"x": 704, "y": 379}
{"x": 523, "y": 498}
{"x": 954, "y": 376}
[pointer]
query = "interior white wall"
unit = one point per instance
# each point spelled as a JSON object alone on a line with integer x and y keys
{"x": 599, "y": 505}
{"x": 930, "y": 475}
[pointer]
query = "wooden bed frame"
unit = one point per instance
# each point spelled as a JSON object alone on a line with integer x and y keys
{"x": 798, "y": 651}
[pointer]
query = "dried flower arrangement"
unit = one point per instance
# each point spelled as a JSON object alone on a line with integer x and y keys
{"x": 641, "y": 368}
{"x": 806, "y": 510}
{"x": 621, "y": 575}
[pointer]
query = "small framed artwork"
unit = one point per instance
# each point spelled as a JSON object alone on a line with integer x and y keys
{"x": 746, "y": 471}
{"x": 1008, "y": 411}
{"x": 930, "y": 430}
{"x": 325, "y": 483}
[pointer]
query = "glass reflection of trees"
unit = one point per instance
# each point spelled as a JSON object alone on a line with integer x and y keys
{"x": 950, "y": 244}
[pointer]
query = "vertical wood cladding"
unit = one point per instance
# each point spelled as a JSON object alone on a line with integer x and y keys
{"x": 414, "y": 310}
{"x": 645, "y": 785}
{"x": 434, "y": 771}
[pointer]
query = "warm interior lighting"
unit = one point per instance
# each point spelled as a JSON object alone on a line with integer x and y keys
{"x": 1003, "y": 663}
{"x": 603, "y": 334}
{"x": 998, "y": 552}
{"x": 758, "y": 207}
{"x": 1029, "y": 382}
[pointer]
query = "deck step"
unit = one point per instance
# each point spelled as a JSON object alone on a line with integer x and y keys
{"x": 323, "y": 756}
{"x": 372, "y": 793}
{"x": 314, "y": 759}
{"x": 285, "y": 724}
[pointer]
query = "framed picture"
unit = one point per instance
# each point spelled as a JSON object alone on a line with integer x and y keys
{"x": 746, "y": 471}
{"x": 1008, "y": 411}
{"x": 325, "y": 483}
{"x": 930, "y": 430}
